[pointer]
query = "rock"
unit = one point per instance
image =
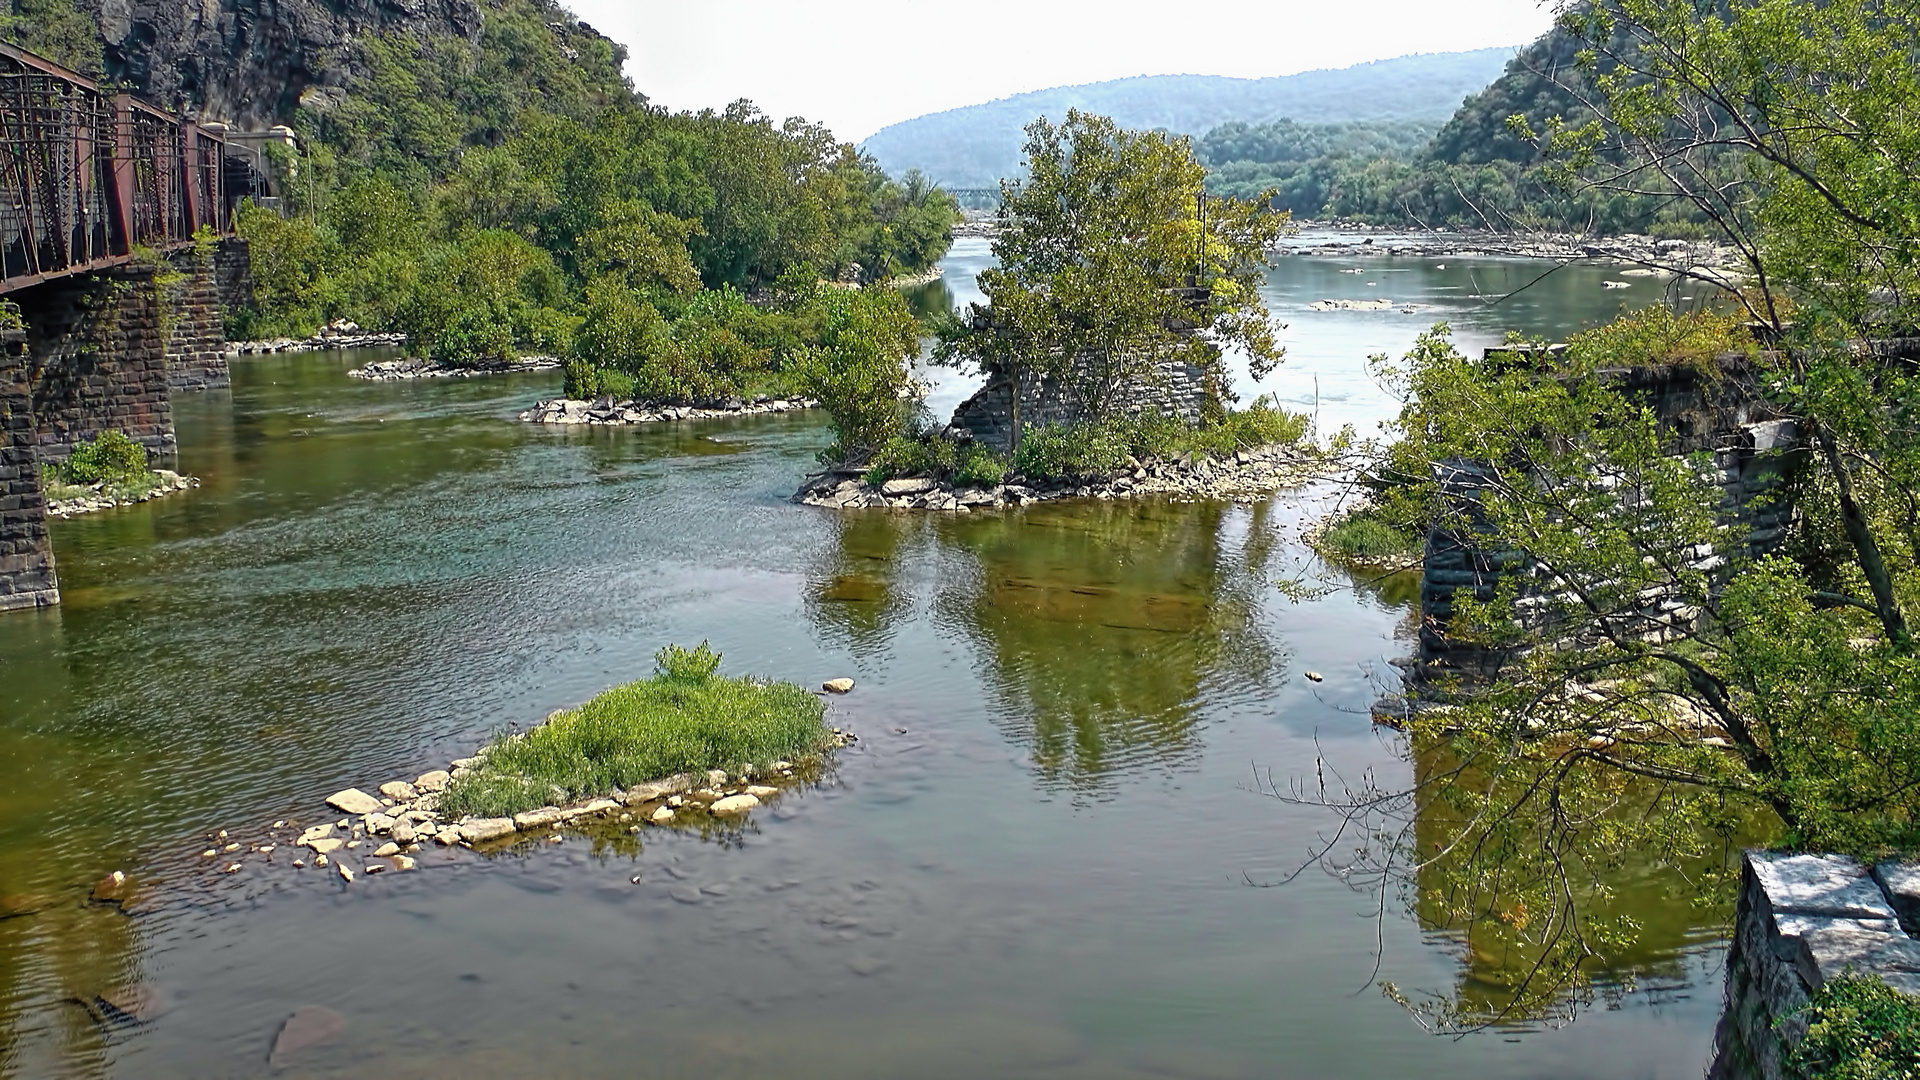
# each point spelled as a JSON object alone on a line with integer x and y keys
{"x": 539, "y": 819}
{"x": 379, "y": 823}
{"x": 402, "y": 862}
{"x": 327, "y": 844}
{"x": 1314, "y": 676}
{"x": 914, "y": 486}
{"x": 318, "y": 832}
{"x": 716, "y": 777}
{"x": 113, "y": 889}
{"x": 399, "y": 791}
{"x": 734, "y": 804}
{"x": 448, "y": 836}
{"x": 762, "y": 791}
{"x": 433, "y": 781}
{"x": 480, "y": 830}
{"x": 404, "y": 833}
{"x": 467, "y": 762}
{"x": 685, "y": 894}
{"x": 319, "y": 860}
{"x": 837, "y": 686}
{"x": 658, "y": 789}
{"x": 310, "y": 1025}
{"x": 14, "y": 905}
{"x": 663, "y": 815}
{"x": 346, "y": 872}
{"x": 385, "y": 850}
{"x": 355, "y": 801}
{"x": 138, "y": 1002}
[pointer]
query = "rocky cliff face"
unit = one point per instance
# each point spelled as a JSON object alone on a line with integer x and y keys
{"x": 247, "y": 62}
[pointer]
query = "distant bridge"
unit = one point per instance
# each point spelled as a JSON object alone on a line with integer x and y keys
{"x": 89, "y": 177}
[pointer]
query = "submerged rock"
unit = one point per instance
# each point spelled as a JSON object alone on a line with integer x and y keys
{"x": 310, "y": 1025}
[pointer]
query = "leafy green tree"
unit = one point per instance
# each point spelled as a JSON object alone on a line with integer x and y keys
{"x": 858, "y": 369}
{"x": 1114, "y": 263}
{"x": 57, "y": 30}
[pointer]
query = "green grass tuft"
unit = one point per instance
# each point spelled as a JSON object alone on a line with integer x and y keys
{"x": 1363, "y": 537}
{"x": 683, "y": 719}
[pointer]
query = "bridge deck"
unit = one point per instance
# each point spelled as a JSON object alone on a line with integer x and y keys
{"x": 90, "y": 178}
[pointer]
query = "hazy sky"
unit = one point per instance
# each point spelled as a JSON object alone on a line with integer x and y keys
{"x": 860, "y": 65}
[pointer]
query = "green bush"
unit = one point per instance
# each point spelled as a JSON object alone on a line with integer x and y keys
{"x": 685, "y": 718}
{"x": 110, "y": 458}
{"x": 1054, "y": 453}
{"x": 1859, "y": 1028}
{"x": 978, "y": 467}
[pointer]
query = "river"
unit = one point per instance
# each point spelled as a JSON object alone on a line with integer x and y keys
{"x": 1041, "y": 859}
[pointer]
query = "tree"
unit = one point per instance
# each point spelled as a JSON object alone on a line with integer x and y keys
{"x": 1663, "y": 687}
{"x": 57, "y": 30}
{"x": 858, "y": 369}
{"x": 1114, "y": 263}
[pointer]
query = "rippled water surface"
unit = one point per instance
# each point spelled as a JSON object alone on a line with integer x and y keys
{"x": 1039, "y": 860}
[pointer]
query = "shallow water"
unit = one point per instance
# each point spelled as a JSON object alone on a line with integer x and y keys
{"x": 1039, "y": 860}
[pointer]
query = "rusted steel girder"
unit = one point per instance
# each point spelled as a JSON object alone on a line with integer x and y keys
{"x": 89, "y": 177}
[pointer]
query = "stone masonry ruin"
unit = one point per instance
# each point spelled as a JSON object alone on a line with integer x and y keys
{"x": 1804, "y": 919}
{"x": 1718, "y": 410}
{"x": 99, "y": 352}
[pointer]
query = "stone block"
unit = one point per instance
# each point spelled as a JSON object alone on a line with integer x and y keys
{"x": 1832, "y": 885}
{"x": 1901, "y": 883}
{"x": 1834, "y": 950}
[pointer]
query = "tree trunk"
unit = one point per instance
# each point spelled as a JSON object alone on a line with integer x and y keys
{"x": 1860, "y": 535}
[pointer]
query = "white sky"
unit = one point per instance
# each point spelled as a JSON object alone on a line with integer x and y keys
{"x": 859, "y": 65}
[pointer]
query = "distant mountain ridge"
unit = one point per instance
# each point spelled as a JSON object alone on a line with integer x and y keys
{"x": 976, "y": 145}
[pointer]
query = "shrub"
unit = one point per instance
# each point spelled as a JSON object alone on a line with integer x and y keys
{"x": 685, "y": 718}
{"x": 110, "y": 458}
{"x": 1055, "y": 453}
{"x": 979, "y": 467}
{"x": 1859, "y": 1028}
{"x": 858, "y": 368}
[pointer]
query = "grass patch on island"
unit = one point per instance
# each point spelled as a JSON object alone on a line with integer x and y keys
{"x": 686, "y": 718}
{"x": 1364, "y": 537}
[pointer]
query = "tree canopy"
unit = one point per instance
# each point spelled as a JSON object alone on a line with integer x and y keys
{"x": 1114, "y": 262}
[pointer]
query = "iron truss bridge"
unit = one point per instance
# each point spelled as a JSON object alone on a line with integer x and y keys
{"x": 90, "y": 176}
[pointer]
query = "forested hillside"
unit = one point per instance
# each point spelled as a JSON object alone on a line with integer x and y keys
{"x": 977, "y": 145}
{"x": 482, "y": 177}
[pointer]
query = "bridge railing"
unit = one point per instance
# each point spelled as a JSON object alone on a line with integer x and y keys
{"x": 89, "y": 177}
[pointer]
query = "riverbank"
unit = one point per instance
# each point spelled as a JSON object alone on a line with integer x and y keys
{"x": 422, "y": 368}
{"x": 1711, "y": 259}
{"x": 72, "y": 500}
{"x": 615, "y": 413}
{"x": 338, "y": 334}
{"x": 1246, "y": 476}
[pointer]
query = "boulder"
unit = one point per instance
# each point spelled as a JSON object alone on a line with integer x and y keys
{"x": 355, "y": 801}
{"x": 318, "y": 832}
{"x": 399, "y": 791}
{"x": 837, "y": 686}
{"x": 115, "y": 888}
{"x": 433, "y": 781}
{"x": 326, "y": 844}
{"x": 663, "y": 815}
{"x": 762, "y": 791}
{"x": 539, "y": 819}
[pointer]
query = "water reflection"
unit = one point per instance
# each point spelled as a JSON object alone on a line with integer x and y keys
{"x": 1104, "y": 631}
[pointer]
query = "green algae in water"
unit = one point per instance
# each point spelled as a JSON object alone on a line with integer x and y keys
{"x": 686, "y": 718}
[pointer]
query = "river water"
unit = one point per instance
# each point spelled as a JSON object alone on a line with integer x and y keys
{"x": 1041, "y": 859}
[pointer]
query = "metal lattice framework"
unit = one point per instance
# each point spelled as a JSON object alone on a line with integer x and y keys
{"x": 89, "y": 176}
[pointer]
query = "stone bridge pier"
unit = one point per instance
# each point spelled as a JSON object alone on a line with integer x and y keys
{"x": 104, "y": 351}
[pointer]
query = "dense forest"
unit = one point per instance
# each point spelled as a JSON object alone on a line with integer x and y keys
{"x": 1479, "y": 170}
{"x": 484, "y": 193}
